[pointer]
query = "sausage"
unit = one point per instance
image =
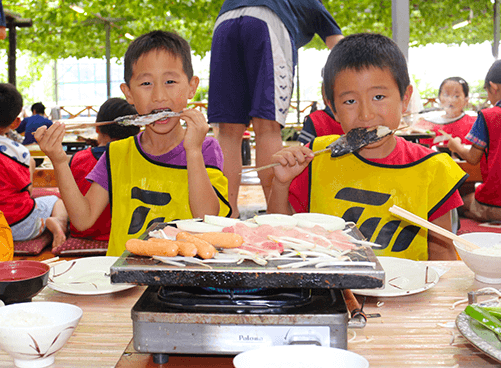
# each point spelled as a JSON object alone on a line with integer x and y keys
{"x": 187, "y": 249}
{"x": 204, "y": 249}
{"x": 222, "y": 240}
{"x": 153, "y": 247}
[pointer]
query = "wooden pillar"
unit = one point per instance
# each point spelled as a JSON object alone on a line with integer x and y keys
{"x": 495, "y": 43}
{"x": 12, "y": 53}
{"x": 400, "y": 25}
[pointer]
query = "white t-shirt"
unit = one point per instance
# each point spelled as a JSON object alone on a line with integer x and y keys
{"x": 15, "y": 150}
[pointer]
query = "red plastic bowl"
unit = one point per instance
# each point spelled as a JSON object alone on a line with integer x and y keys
{"x": 22, "y": 280}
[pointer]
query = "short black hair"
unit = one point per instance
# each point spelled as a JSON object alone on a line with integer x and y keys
{"x": 11, "y": 104}
{"x": 361, "y": 51}
{"x": 158, "y": 40}
{"x": 110, "y": 110}
{"x": 461, "y": 81}
{"x": 38, "y": 108}
{"x": 494, "y": 74}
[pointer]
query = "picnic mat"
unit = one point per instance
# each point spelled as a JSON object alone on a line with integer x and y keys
{"x": 471, "y": 226}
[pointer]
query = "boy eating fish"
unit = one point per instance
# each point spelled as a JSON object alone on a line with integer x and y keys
{"x": 367, "y": 85}
{"x": 166, "y": 172}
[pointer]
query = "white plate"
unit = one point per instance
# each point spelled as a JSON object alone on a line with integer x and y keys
{"x": 276, "y": 220}
{"x": 403, "y": 277}
{"x": 85, "y": 276}
{"x": 299, "y": 356}
{"x": 328, "y": 222}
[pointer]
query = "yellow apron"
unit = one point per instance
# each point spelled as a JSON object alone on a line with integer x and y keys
{"x": 362, "y": 192}
{"x": 143, "y": 192}
{"x": 6, "y": 242}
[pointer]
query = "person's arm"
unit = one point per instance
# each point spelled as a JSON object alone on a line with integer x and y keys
{"x": 202, "y": 197}
{"x": 440, "y": 248}
{"x": 472, "y": 154}
{"x": 332, "y": 40}
{"x": 293, "y": 160}
{"x": 83, "y": 211}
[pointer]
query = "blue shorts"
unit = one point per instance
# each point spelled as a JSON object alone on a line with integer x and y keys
{"x": 34, "y": 225}
{"x": 251, "y": 74}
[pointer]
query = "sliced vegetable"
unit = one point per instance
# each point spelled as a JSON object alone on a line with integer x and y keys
{"x": 484, "y": 317}
{"x": 495, "y": 311}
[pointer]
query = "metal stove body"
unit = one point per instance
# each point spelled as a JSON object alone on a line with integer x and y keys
{"x": 167, "y": 319}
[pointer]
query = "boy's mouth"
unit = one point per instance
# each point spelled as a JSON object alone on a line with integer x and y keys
{"x": 164, "y": 121}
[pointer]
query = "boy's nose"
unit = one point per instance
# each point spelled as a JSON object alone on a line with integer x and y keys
{"x": 159, "y": 93}
{"x": 366, "y": 112}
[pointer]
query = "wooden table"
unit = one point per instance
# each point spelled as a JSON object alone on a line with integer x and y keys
{"x": 409, "y": 333}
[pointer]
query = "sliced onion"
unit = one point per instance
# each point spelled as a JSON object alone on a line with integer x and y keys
{"x": 220, "y": 221}
{"x": 199, "y": 227}
{"x": 276, "y": 220}
{"x": 328, "y": 222}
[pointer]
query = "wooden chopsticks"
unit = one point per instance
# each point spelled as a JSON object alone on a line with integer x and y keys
{"x": 431, "y": 226}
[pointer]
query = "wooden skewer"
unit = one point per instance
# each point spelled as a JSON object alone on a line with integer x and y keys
{"x": 278, "y": 163}
{"x": 431, "y": 226}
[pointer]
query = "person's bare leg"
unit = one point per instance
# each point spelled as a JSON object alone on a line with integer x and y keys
{"x": 268, "y": 142}
{"x": 230, "y": 140}
{"x": 58, "y": 223}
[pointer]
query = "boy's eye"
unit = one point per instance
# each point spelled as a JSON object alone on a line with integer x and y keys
{"x": 349, "y": 102}
{"x": 378, "y": 97}
{"x": 170, "y": 82}
{"x": 145, "y": 84}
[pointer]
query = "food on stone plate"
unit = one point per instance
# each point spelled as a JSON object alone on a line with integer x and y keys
{"x": 222, "y": 240}
{"x": 204, "y": 249}
{"x": 153, "y": 246}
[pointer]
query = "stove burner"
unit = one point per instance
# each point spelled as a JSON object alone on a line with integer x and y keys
{"x": 191, "y": 299}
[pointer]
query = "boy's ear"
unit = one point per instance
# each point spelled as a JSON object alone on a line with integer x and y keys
{"x": 407, "y": 98}
{"x": 193, "y": 86}
{"x": 15, "y": 123}
{"x": 494, "y": 87}
{"x": 126, "y": 91}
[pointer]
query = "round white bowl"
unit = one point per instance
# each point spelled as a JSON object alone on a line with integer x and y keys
{"x": 487, "y": 267}
{"x": 299, "y": 356}
{"x": 33, "y": 332}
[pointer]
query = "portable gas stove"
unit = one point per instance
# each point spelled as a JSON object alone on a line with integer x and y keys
{"x": 228, "y": 309}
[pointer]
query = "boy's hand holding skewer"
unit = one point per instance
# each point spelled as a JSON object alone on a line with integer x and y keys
{"x": 196, "y": 130}
{"x": 290, "y": 162}
{"x": 50, "y": 141}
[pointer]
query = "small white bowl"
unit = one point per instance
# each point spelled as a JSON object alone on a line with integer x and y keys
{"x": 487, "y": 267}
{"x": 33, "y": 332}
{"x": 299, "y": 356}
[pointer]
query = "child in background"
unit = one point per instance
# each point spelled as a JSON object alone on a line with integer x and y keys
{"x": 367, "y": 85}
{"x": 453, "y": 95}
{"x": 485, "y": 203}
{"x": 319, "y": 123}
{"x": 30, "y": 124}
{"x": 83, "y": 162}
{"x": 162, "y": 174}
{"x": 27, "y": 217}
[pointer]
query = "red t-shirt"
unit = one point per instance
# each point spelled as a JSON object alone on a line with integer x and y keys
{"x": 15, "y": 200}
{"x": 404, "y": 153}
{"x": 460, "y": 128}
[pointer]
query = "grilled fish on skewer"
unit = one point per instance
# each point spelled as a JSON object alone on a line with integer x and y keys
{"x": 357, "y": 138}
{"x": 352, "y": 141}
{"x": 140, "y": 120}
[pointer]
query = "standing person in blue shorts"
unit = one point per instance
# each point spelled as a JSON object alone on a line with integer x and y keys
{"x": 253, "y": 54}
{"x": 30, "y": 124}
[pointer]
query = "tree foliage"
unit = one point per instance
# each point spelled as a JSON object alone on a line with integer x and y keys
{"x": 60, "y": 32}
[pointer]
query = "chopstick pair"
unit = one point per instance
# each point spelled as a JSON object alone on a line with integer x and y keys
{"x": 53, "y": 261}
{"x": 431, "y": 226}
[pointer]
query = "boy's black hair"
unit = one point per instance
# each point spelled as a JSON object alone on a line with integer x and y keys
{"x": 494, "y": 74}
{"x": 38, "y": 108}
{"x": 361, "y": 51}
{"x": 461, "y": 81}
{"x": 110, "y": 110}
{"x": 11, "y": 104}
{"x": 158, "y": 40}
